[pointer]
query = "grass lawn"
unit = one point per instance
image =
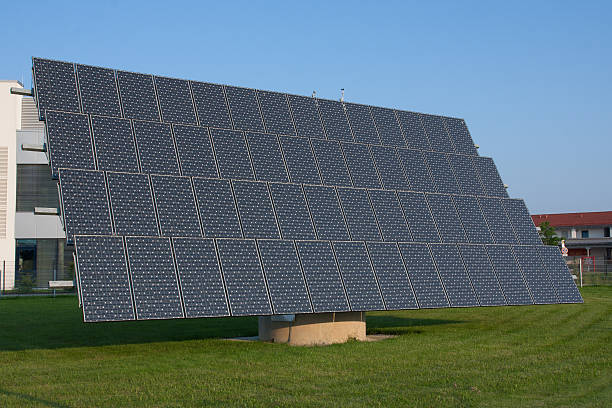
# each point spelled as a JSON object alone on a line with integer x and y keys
{"x": 533, "y": 356}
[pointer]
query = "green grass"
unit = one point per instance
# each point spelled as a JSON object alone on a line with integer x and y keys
{"x": 533, "y": 356}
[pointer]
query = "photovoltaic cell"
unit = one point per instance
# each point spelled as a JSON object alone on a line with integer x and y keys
{"x": 232, "y": 154}
{"x": 335, "y": 121}
{"x": 322, "y": 277}
{"x": 413, "y": 130}
{"x": 114, "y": 142}
{"x": 442, "y": 174}
{"x": 418, "y": 217}
{"x": 509, "y": 275}
{"x": 276, "y": 113}
{"x": 521, "y": 221}
{"x": 176, "y": 207}
{"x": 388, "y": 128}
{"x": 244, "y": 108}
{"x": 489, "y": 177}
{"x": 472, "y": 220}
{"x": 55, "y": 85}
{"x": 156, "y": 290}
{"x": 392, "y": 276}
{"x": 104, "y": 280}
{"x": 211, "y": 105}
{"x": 306, "y": 116}
{"x": 255, "y": 210}
{"x": 536, "y": 277}
{"x": 452, "y": 272}
{"x": 561, "y": 278}
{"x": 291, "y": 211}
{"x": 98, "y": 90}
{"x": 358, "y": 276}
{"x": 155, "y": 148}
{"x": 331, "y": 162}
{"x": 498, "y": 222}
{"x": 132, "y": 204}
{"x": 137, "y": 96}
{"x": 175, "y": 100}
{"x": 267, "y": 157}
{"x": 284, "y": 277}
{"x": 244, "y": 280}
{"x": 447, "y": 220}
{"x": 460, "y": 136}
{"x": 423, "y": 275}
{"x": 217, "y": 209}
{"x": 195, "y": 151}
{"x": 326, "y": 213}
{"x": 362, "y": 124}
{"x": 466, "y": 176}
{"x": 361, "y": 165}
{"x": 436, "y": 133}
{"x": 200, "y": 277}
{"x": 481, "y": 275}
{"x": 389, "y": 168}
{"x": 416, "y": 170}
{"x": 300, "y": 160}
{"x": 359, "y": 216}
{"x": 389, "y": 215}
{"x": 69, "y": 141}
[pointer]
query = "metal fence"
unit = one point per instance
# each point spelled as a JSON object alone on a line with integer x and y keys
{"x": 590, "y": 271}
{"x": 17, "y": 280}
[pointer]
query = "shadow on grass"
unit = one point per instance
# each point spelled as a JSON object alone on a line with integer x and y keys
{"x": 31, "y": 399}
{"x": 390, "y": 324}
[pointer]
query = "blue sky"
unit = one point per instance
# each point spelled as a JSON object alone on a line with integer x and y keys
{"x": 533, "y": 80}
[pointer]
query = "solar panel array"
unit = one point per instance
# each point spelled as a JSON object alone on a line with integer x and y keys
{"x": 191, "y": 199}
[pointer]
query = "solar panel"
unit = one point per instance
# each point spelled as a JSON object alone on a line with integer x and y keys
{"x": 359, "y": 214}
{"x": 114, "y": 143}
{"x": 275, "y": 111}
{"x": 244, "y": 108}
{"x": 521, "y": 221}
{"x": 154, "y": 282}
{"x": 362, "y": 124}
{"x": 255, "y": 209}
{"x": 300, "y": 160}
{"x": 244, "y": 280}
{"x": 498, "y": 222}
{"x": 335, "y": 121}
{"x": 388, "y": 128}
{"x": 84, "y": 203}
{"x": 217, "y": 208}
{"x": 132, "y": 204}
{"x": 326, "y": 212}
{"x": 98, "y": 90}
{"x": 483, "y": 278}
{"x": 416, "y": 170}
{"x": 69, "y": 141}
{"x": 195, "y": 151}
{"x": 211, "y": 105}
{"x": 389, "y": 214}
{"x": 509, "y": 275}
{"x": 413, "y": 131}
{"x": 331, "y": 162}
{"x": 176, "y": 208}
{"x": 104, "y": 280}
{"x": 472, "y": 220}
{"x": 267, "y": 157}
{"x": 489, "y": 177}
{"x": 454, "y": 277}
{"x": 560, "y": 276}
{"x": 537, "y": 279}
{"x": 460, "y": 136}
{"x": 462, "y": 167}
{"x": 436, "y": 133}
{"x": 418, "y": 216}
{"x": 306, "y": 116}
{"x": 358, "y": 276}
{"x": 55, "y": 86}
{"x": 446, "y": 218}
{"x": 175, "y": 100}
{"x": 284, "y": 277}
{"x": 200, "y": 277}
{"x": 389, "y": 168}
{"x": 423, "y": 275}
{"x": 291, "y": 211}
{"x": 137, "y": 96}
{"x": 322, "y": 277}
{"x": 392, "y": 276}
{"x": 360, "y": 165}
{"x": 442, "y": 173}
{"x": 155, "y": 148}
{"x": 232, "y": 154}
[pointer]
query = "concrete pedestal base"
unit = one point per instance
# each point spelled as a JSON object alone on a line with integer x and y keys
{"x": 313, "y": 329}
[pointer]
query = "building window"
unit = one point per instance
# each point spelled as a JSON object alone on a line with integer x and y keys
{"x": 42, "y": 260}
{"x": 607, "y": 232}
{"x": 35, "y": 188}
{"x": 585, "y": 233}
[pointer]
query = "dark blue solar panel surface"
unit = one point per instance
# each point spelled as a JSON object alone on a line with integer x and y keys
{"x": 335, "y": 121}
{"x": 536, "y": 277}
{"x": 447, "y": 220}
{"x": 195, "y": 151}
{"x": 442, "y": 173}
{"x": 276, "y": 113}
{"x": 175, "y": 101}
{"x": 492, "y": 182}
{"x": 69, "y": 141}
{"x": 98, "y": 90}
{"x": 132, "y": 204}
{"x": 436, "y": 133}
{"x": 176, "y": 208}
{"x": 300, "y": 160}
{"x": 244, "y": 108}
{"x": 217, "y": 209}
{"x": 155, "y": 148}
{"x": 200, "y": 277}
{"x": 322, "y": 277}
{"x": 388, "y": 128}
{"x": 306, "y": 116}
{"x": 104, "y": 280}
{"x": 460, "y": 136}
{"x": 452, "y": 272}
{"x": 416, "y": 170}
{"x": 560, "y": 276}
{"x": 521, "y": 221}
{"x": 418, "y": 217}
{"x": 55, "y": 86}
{"x": 359, "y": 215}
{"x": 483, "y": 278}
{"x": 466, "y": 176}
{"x": 331, "y": 162}
{"x": 137, "y": 96}
{"x": 284, "y": 277}
{"x": 389, "y": 167}
{"x": 392, "y": 276}
{"x": 413, "y": 131}
{"x": 156, "y": 289}
{"x": 232, "y": 154}
{"x": 508, "y": 274}
{"x": 423, "y": 275}
{"x": 498, "y": 222}
{"x": 390, "y": 216}
{"x": 114, "y": 142}
{"x": 255, "y": 210}
{"x": 244, "y": 280}
{"x": 360, "y": 165}
{"x": 291, "y": 211}
{"x": 211, "y": 105}
{"x": 362, "y": 124}
{"x": 326, "y": 213}
{"x": 267, "y": 157}
{"x": 472, "y": 220}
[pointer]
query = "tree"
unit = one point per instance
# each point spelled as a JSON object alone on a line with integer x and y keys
{"x": 548, "y": 235}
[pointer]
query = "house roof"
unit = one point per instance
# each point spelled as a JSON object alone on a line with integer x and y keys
{"x": 574, "y": 219}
